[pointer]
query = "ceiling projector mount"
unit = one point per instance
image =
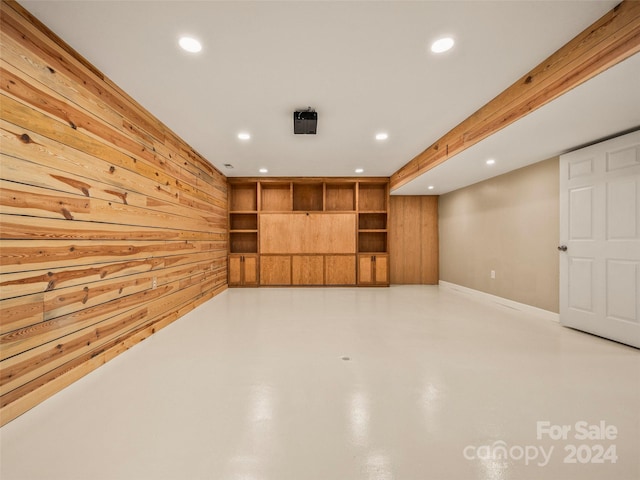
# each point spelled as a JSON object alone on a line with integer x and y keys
{"x": 305, "y": 121}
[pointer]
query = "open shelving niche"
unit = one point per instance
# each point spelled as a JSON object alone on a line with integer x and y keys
{"x": 243, "y": 218}
{"x": 276, "y": 197}
{"x": 308, "y": 196}
{"x": 372, "y": 217}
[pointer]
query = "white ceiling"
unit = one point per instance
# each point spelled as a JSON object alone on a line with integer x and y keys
{"x": 364, "y": 66}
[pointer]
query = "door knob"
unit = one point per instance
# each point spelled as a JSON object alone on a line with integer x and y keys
{"x": 562, "y": 248}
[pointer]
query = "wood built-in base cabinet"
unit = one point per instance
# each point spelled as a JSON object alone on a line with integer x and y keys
{"x": 308, "y": 232}
{"x": 243, "y": 270}
{"x": 340, "y": 270}
{"x": 310, "y": 270}
{"x": 373, "y": 269}
{"x": 275, "y": 270}
{"x": 307, "y": 270}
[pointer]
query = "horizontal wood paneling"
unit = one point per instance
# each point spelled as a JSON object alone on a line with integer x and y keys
{"x": 111, "y": 226}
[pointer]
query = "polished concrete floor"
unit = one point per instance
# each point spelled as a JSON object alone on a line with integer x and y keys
{"x": 408, "y": 383}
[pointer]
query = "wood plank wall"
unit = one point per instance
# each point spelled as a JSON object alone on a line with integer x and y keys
{"x": 413, "y": 240}
{"x": 99, "y": 204}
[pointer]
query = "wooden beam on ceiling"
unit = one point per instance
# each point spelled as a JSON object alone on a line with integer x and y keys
{"x": 610, "y": 40}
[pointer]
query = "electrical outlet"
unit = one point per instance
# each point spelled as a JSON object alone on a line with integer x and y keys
{"x": 493, "y": 274}
{"x": 154, "y": 283}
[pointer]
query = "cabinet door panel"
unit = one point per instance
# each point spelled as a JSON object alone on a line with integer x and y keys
{"x": 307, "y": 269}
{"x": 330, "y": 233}
{"x": 235, "y": 270}
{"x": 365, "y": 269}
{"x": 250, "y": 270}
{"x": 275, "y": 270}
{"x": 315, "y": 233}
{"x": 340, "y": 269}
{"x": 381, "y": 269}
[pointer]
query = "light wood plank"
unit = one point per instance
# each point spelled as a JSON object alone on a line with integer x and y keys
{"x": 21, "y": 115}
{"x": 98, "y": 199}
{"x": 20, "y": 199}
{"x": 29, "y": 395}
{"x": 69, "y": 312}
{"x": 29, "y": 228}
{"x": 18, "y": 256}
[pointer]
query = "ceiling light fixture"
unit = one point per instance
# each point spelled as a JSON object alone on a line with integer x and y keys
{"x": 491, "y": 161}
{"x": 442, "y": 45}
{"x": 190, "y": 44}
{"x": 382, "y": 136}
{"x": 430, "y": 187}
{"x": 244, "y": 136}
{"x": 263, "y": 170}
{"x": 359, "y": 170}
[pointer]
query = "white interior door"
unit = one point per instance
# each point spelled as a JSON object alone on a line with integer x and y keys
{"x": 600, "y": 228}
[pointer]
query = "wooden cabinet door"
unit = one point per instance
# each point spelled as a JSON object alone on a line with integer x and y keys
{"x": 365, "y": 269}
{"x": 307, "y": 233}
{"x": 381, "y": 269}
{"x": 373, "y": 269}
{"x": 250, "y": 270}
{"x": 235, "y": 270}
{"x": 275, "y": 270}
{"x": 340, "y": 270}
{"x": 243, "y": 270}
{"x": 307, "y": 270}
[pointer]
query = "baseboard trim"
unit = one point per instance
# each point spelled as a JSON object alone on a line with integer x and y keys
{"x": 523, "y": 307}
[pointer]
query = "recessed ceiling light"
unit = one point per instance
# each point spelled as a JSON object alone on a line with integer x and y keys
{"x": 263, "y": 170}
{"x": 491, "y": 161}
{"x": 382, "y": 136}
{"x": 359, "y": 170}
{"x": 430, "y": 187}
{"x": 190, "y": 44}
{"x": 442, "y": 45}
{"x": 244, "y": 136}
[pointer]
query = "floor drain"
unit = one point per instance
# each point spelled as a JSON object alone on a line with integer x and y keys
{"x": 346, "y": 358}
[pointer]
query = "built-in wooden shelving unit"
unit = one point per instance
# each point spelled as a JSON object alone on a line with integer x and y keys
{"x": 308, "y": 231}
{"x": 243, "y": 218}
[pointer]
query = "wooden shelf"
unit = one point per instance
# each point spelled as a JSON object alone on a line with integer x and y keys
{"x": 243, "y": 221}
{"x": 372, "y": 221}
{"x": 372, "y": 242}
{"x": 243, "y": 242}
